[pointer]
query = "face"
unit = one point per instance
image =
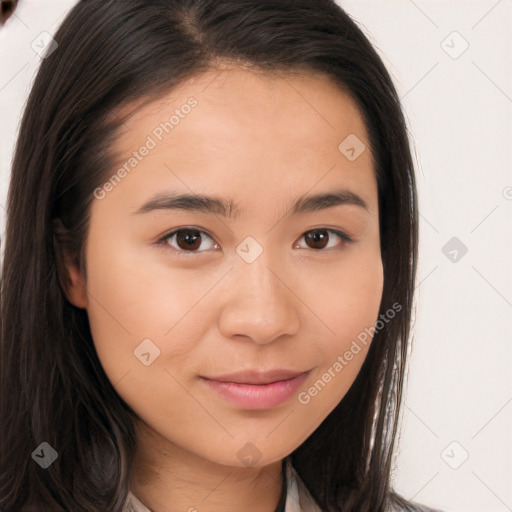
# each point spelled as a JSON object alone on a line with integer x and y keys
{"x": 228, "y": 323}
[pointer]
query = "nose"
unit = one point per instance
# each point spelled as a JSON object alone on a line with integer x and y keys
{"x": 259, "y": 303}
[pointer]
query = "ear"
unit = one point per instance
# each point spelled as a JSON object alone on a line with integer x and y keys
{"x": 70, "y": 274}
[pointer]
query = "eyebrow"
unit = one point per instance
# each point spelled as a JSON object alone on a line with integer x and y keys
{"x": 228, "y": 208}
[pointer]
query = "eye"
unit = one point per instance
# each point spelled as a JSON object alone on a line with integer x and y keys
{"x": 320, "y": 238}
{"x": 187, "y": 240}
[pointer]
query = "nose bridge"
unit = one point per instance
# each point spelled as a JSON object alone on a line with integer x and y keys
{"x": 259, "y": 304}
{"x": 258, "y": 281}
{"x": 257, "y": 278}
{"x": 254, "y": 265}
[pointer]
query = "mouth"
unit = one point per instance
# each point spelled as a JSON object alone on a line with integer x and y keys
{"x": 258, "y": 376}
{"x": 255, "y": 389}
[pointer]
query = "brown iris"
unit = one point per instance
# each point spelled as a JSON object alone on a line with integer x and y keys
{"x": 318, "y": 237}
{"x": 190, "y": 238}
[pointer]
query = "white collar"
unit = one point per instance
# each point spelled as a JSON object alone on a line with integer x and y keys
{"x": 298, "y": 498}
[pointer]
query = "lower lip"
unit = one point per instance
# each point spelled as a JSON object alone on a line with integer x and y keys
{"x": 257, "y": 396}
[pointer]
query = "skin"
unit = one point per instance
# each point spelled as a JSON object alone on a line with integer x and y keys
{"x": 261, "y": 140}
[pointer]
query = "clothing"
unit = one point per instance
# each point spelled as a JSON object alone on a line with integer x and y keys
{"x": 298, "y": 498}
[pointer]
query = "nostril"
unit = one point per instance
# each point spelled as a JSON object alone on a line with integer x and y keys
{"x": 6, "y": 9}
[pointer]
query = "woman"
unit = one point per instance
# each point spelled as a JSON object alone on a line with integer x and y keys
{"x": 209, "y": 264}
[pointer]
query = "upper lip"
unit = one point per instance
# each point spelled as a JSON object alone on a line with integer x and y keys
{"x": 258, "y": 376}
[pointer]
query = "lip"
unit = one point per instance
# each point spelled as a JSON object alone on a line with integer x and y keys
{"x": 257, "y": 390}
{"x": 258, "y": 376}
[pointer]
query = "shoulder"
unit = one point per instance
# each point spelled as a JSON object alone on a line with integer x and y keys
{"x": 133, "y": 504}
{"x": 412, "y": 507}
{"x": 398, "y": 503}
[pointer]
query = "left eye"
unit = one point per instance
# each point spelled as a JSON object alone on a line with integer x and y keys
{"x": 320, "y": 240}
{"x": 189, "y": 240}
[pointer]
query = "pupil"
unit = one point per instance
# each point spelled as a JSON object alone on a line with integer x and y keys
{"x": 190, "y": 238}
{"x": 318, "y": 237}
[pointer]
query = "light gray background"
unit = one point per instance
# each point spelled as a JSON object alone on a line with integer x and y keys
{"x": 459, "y": 109}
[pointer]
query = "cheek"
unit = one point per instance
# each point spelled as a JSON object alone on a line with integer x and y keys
{"x": 348, "y": 297}
{"x": 348, "y": 306}
{"x": 133, "y": 298}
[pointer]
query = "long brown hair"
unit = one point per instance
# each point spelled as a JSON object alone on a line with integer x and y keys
{"x": 53, "y": 387}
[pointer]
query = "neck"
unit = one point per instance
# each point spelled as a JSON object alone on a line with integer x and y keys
{"x": 167, "y": 478}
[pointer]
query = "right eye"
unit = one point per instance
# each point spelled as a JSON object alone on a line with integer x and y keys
{"x": 187, "y": 240}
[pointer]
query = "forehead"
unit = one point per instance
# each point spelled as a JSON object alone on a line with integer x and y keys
{"x": 251, "y": 131}
{"x": 252, "y": 101}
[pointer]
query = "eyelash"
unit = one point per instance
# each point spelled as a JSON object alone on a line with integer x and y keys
{"x": 165, "y": 239}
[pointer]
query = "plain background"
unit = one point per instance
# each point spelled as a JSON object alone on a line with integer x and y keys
{"x": 451, "y": 64}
